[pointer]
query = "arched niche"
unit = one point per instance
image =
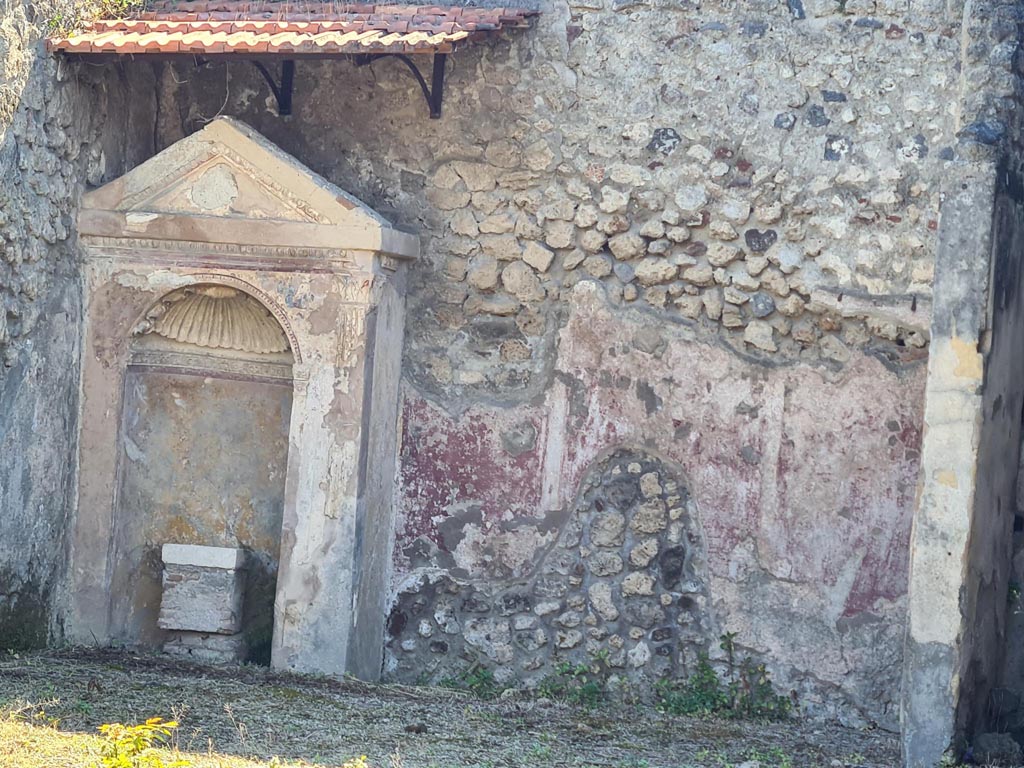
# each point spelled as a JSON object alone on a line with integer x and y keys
{"x": 203, "y": 450}
{"x": 226, "y": 268}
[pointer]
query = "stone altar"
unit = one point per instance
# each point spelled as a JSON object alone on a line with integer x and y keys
{"x": 201, "y": 605}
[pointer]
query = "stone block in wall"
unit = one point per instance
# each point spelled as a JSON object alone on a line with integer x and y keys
{"x": 203, "y": 589}
{"x": 207, "y": 647}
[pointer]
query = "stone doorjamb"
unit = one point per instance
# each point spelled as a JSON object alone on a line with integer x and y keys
{"x": 963, "y": 523}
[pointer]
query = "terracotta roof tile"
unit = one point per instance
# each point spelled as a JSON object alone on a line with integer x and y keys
{"x": 287, "y": 27}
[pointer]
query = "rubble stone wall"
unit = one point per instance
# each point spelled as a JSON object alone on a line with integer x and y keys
{"x": 625, "y": 580}
{"x": 678, "y": 264}
{"x": 801, "y": 481}
{"x": 700, "y": 231}
{"x": 61, "y": 126}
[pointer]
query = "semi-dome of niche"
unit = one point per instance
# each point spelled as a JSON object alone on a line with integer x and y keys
{"x": 218, "y": 317}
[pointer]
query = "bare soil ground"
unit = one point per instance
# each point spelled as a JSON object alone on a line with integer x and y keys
{"x": 250, "y": 717}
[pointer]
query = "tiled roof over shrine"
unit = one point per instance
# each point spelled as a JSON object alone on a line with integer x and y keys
{"x": 291, "y": 29}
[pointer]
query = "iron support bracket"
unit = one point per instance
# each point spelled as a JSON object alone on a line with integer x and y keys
{"x": 282, "y": 91}
{"x": 432, "y": 93}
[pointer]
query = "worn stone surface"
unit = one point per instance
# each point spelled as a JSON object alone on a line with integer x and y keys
{"x": 736, "y": 274}
{"x": 580, "y": 603}
{"x": 960, "y": 556}
{"x": 61, "y": 127}
{"x": 205, "y": 647}
{"x": 806, "y": 559}
{"x": 189, "y": 477}
{"x": 221, "y": 212}
{"x": 675, "y": 198}
{"x": 204, "y": 556}
{"x": 200, "y": 598}
{"x": 822, "y": 228}
{"x": 971, "y": 472}
{"x": 985, "y": 607}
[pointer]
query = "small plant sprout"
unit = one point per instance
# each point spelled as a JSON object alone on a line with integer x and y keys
{"x": 744, "y": 691}
{"x": 136, "y": 746}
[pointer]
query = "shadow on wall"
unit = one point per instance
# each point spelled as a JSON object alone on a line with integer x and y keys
{"x": 993, "y": 686}
{"x": 204, "y": 464}
{"x": 61, "y": 128}
{"x": 24, "y": 615}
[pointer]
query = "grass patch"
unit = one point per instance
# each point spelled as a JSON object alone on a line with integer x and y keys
{"x": 31, "y": 738}
{"x": 63, "y": 18}
{"x": 253, "y": 717}
{"x": 31, "y": 745}
{"x": 578, "y": 684}
{"x": 478, "y": 680}
{"x": 744, "y": 692}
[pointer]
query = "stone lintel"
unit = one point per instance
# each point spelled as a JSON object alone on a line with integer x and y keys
{"x": 174, "y": 255}
{"x": 158, "y": 225}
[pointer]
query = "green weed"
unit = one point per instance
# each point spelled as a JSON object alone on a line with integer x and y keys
{"x": 477, "y": 679}
{"x": 579, "y": 684}
{"x": 68, "y": 17}
{"x": 135, "y": 746}
{"x": 746, "y": 692}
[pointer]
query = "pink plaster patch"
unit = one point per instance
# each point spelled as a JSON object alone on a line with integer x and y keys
{"x": 817, "y": 470}
{"x": 446, "y": 461}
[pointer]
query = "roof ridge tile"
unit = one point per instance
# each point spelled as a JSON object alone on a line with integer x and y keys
{"x": 289, "y": 26}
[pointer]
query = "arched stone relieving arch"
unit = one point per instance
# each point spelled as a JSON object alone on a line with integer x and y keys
{"x": 226, "y": 207}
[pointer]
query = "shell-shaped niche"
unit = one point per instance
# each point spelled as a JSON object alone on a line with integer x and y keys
{"x": 218, "y": 317}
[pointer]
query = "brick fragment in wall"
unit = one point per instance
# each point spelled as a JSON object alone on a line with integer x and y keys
{"x": 624, "y": 580}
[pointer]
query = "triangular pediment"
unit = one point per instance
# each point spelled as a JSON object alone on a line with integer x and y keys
{"x": 228, "y": 170}
{"x": 222, "y": 186}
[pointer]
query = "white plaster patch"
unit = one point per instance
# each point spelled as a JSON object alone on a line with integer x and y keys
{"x": 137, "y": 222}
{"x": 215, "y": 190}
{"x": 228, "y": 558}
{"x": 161, "y": 280}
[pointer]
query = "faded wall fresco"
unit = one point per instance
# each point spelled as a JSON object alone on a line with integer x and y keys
{"x": 624, "y": 583}
{"x": 801, "y": 479}
{"x": 705, "y": 232}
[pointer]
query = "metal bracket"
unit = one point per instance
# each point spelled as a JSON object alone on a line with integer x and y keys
{"x": 433, "y": 93}
{"x": 282, "y": 91}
